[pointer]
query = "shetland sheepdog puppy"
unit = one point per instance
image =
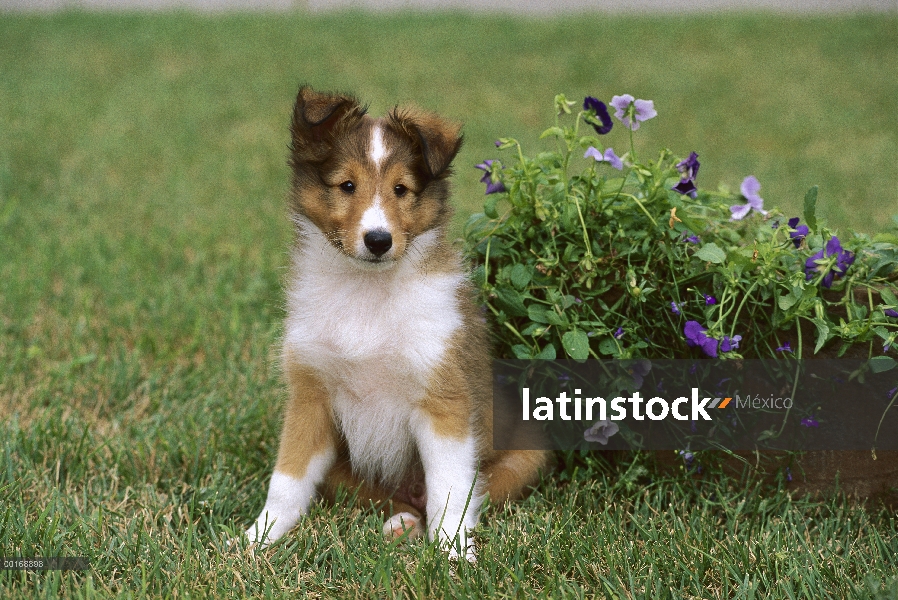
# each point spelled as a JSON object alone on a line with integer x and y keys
{"x": 385, "y": 353}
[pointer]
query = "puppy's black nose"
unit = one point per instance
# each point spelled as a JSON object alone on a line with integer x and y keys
{"x": 378, "y": 241}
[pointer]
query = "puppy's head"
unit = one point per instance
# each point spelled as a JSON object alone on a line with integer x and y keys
{"x": 372, "y": 186}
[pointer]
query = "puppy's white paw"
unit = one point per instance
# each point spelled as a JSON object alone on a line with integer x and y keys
{"x": 267, "y": 529}
{"x": 468, "y": 551}
{"x": 400, "y": 523}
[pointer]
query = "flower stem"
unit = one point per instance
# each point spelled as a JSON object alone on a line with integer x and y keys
{"x": 720, "y": 313}
{"x": 875, "y": 437}
{"x": 635, "y": 199}
{"x": 741, "y": 304}
{"x": 795, "y": 381}
{"x": 583, "y": 226}
{"x": 486, "y": 262}
{"x": 510, "y": 326}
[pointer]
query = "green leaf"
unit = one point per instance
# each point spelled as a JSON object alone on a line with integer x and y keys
{"x": 511, "y": 301}
{"x": 767, "y": 434}
{"x": 520, "y": 276}
{"x": 589, "y": 140}
{"x": 534, "y": 328}
{"x": 888, "y": 296}
{"x": 822, "y": 334}
{"x": 489, "y": 207}
{"x": 880, "y": 364}
{"x": 786, "y": 302}
{"x": 613, "y": 184}
{"x": 711, "y": 252}
{"x": 537, "y": 313}
{"x": 555, "y": 319}
{"x": 810, "y": 208}
{"x": 556, "y": 131}
{"x": 569, "y": 216}
{"x": 576, "y": 344}
{"x": 547, "y": 353}
{"x": 607, "y": 346}
{"x": 521, "y": 351}
{"x": 478, "y": 276}
{"x": 885, "y": 238}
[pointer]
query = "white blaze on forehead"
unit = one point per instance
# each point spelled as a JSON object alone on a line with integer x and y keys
{"x": 374, "y": 217}
{"x": 377, "y": 151}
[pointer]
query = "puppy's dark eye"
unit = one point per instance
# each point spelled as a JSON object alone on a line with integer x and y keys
{"x": 400, "y": 190}
{"x": 348, "y": 187}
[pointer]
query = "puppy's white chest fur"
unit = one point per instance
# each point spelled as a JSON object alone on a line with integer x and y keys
{"x": 375, "y": 337}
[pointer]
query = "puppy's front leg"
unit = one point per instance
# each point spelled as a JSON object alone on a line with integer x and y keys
{"x": 448, "y": 452}
{"x": 306, "y": 453}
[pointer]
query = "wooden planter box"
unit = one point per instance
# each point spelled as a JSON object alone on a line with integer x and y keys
{"x": 860, "y": 474}
{"x": 854, "y": 473}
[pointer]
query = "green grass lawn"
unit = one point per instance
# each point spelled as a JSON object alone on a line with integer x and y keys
{"x": 143, "y": 241}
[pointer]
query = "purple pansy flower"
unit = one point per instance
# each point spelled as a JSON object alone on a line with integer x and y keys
{"x": 688, "y": 457}
{"x": 749, "y": 189}
{"x": 675, "y": 308}
{"x": 639, "y": 370}
{"x": 695, "y": 336}
{"x": 785, "y": 348}
{"x": 844, "y": 259}
{"x": 686, "y": 187}
{"x": 891, "y": 392}
{"x": 801, "y": 231}
{"x": 619, "y": 333}
{"x": 689, "y": 167}
{"x": 643, "y": 110}
{"x": 730, "y": 343}
{"x": 590, "y": 103}
{"x": 810, "y": 422}
{"x": 709, "y": 300}
{"x": 609, "y": 156}
{"x": 601, "y": 431}
{"x": 492, "y": 187}
{"x": 689, "y": 170}
{"x": 891, "y": 313}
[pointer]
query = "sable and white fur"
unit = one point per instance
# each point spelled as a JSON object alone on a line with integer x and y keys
{"x": 385, "y": 352}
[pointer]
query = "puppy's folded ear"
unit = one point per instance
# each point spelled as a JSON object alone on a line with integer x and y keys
{"x": 318, "y": 118}
{"x": 437, "y": 140}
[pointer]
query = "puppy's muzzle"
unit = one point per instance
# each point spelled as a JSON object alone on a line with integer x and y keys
{"x": 378, "y": 242}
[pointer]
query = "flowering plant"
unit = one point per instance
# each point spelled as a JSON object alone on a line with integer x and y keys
{"x": 587, "y": 251}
